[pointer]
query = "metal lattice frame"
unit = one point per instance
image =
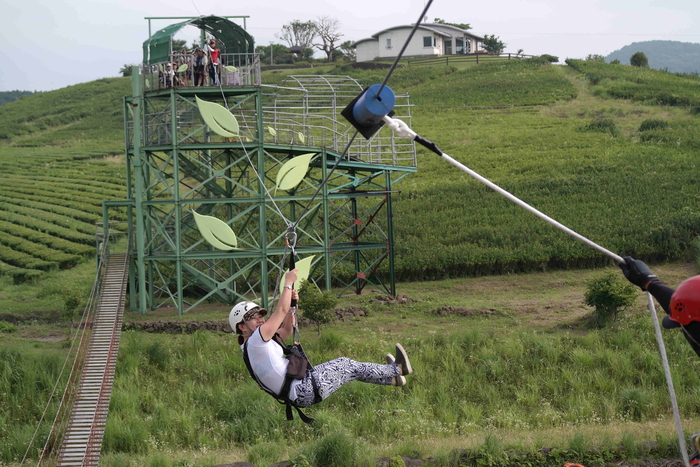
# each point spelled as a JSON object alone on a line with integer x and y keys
{"x": 175, "y": 166}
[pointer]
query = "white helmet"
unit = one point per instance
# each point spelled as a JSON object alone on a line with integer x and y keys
{"x": 239, "y": 312}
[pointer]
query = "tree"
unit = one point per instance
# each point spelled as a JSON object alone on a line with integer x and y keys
{"x": 348, "y": 50}
{"x": 178, "y": 45}
{"x": 639, "y": 59}
{"x": 274, "y": 53}
{"x": 493, "y": 45}
{"x": 126, "y": 69}
{"x": 327, "y": 32}
{"x": 316, "y": 305}
{"x": 298, "y": 34}
{"x": 464, "y": 26}
{"x": 595, "y": 58}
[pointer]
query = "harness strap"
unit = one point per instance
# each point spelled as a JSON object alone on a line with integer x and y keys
{"x": 283, "y": 398}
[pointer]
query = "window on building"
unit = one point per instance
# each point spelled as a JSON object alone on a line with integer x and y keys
{"x": 459, "y": 45}
{"x": 388, "y": 43}
{"x": 429, "y": 41}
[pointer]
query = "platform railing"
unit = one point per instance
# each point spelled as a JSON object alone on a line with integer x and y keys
{"x": 180, "y": 71}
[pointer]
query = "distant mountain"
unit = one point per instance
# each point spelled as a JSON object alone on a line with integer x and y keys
{"x": 9, "y": 96}
{"x": 677, "y": 57}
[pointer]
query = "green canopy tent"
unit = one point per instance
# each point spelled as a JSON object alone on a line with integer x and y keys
{"x": 231, "y": 38}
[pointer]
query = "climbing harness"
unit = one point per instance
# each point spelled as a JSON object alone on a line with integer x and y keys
{"x": 298, "y": 368}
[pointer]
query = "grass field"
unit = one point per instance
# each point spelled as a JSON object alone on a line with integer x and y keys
{"x": 502, "y": 364}
{"x": 511, "y": 367}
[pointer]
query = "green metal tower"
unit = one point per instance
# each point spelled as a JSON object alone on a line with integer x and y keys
{"x": 176, "y": 165}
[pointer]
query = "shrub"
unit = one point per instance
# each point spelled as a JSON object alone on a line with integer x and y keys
{"x": 334, "y": 450}
{"x": 615, "y": 62}
{"x": 550, "y": 58}
{"x": 7, "y": 327}
{"x": 595, "y": 58}
{"x": 71, "y": 301}
{"x": 317, "y": 306}
{"x": 609, "y": 295}
{"x": 639, "y": 59}
{"x": 653, "y": 124}
{"x": 604, "y": 125}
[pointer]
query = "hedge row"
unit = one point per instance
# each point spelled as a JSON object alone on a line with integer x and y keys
{"x": 46, "y": 239}
{"x": 57, "y": 219}
{"x": 63, "y": 211}
{"x": 24, "y": 260}
{"x": 69, "y": 203}
{"x": 67, "y": 184}
{"x": 20, "y": 275}
{"x": 48, "y": 227}
{"x": 64, "y": 260}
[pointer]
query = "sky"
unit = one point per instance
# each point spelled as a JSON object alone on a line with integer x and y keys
{"x": 51, "y": 44}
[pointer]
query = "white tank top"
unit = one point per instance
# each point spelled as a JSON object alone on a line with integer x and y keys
{"x": 269, "y": 364}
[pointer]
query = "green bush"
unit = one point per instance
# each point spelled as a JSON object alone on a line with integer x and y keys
{"x": 71, "y": 301}
{"x": 334, "y": 450}
{"x": 604, "y": 125}
{"x": 615, "y": 62}
{"x": 316, "y": 305}
{"x": 595, "y": 58}
{"x": 640, "y": 60}
{"x": 7, "y": 327}
{"x": 610, "y": 295}
{"x": 653, "y": 124}
{"x": 550, "y": 58}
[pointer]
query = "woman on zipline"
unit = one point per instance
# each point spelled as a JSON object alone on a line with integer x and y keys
{"x": 263, "y": 347}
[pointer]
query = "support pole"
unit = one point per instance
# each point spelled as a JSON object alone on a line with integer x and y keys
{"x": 137, "y": 103}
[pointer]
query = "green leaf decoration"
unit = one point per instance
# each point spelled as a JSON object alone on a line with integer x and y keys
{"x": 304, "y": 269}
{"x": 300, "y": 137}
{"x": 218, "y": 118}
{"x": 216, "y": 232}
{"x": 230, "y": 68}
{"x": 271, "y": 131}
{"x": 182, "y": 68}
{"x": 293, "y": 172}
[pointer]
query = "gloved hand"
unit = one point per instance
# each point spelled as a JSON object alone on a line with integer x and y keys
{"x": 637, "y": 272}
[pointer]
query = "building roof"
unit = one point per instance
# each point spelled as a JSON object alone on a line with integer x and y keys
{"x": 456, "y": 29}
{"x": 427, "y": 27}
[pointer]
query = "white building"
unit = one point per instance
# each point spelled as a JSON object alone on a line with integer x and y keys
{"x": 429, "y": 40}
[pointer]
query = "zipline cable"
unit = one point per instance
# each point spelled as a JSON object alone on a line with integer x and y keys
{"x": 405, "y": 44}
{"x": 669, "y": 381}
{"x": 386, "y": 79}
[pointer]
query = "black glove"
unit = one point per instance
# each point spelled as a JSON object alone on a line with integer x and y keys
{"x": 637, "y": 272}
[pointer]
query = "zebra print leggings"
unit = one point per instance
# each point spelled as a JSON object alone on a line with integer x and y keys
{"x": 330, "y": 376}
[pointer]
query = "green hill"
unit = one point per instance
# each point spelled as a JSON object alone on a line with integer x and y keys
{"x": 673, "y": 56}
{"x": 571, "y": 141}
